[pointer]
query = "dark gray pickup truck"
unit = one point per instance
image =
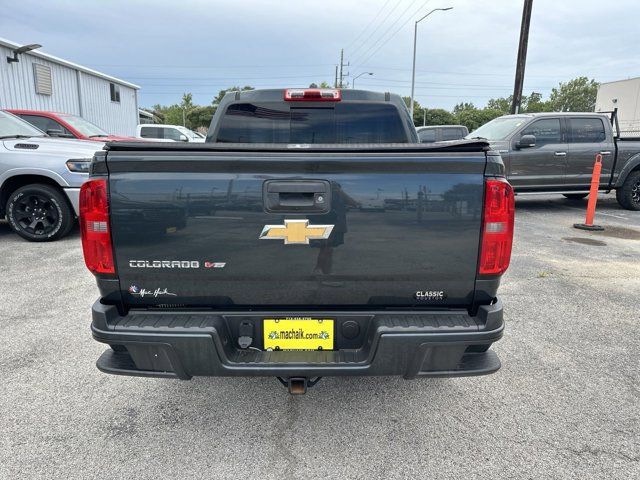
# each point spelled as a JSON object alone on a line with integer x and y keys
{"x": 555, "y": 152}
{"x": 310, "y": 236}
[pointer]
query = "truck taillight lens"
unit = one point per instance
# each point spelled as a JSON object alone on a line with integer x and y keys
{"x": 497, "y": 227}
{"x": 94, "y": 227}
{"x": 312, "y": 95}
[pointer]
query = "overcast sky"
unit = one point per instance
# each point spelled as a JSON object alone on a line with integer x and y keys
{"x": 466, "y": 54}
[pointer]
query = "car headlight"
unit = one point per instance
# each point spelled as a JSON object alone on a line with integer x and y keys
{"x": 79, "y": 165}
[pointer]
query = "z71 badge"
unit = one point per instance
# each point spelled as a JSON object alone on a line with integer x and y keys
{"x": 430, "y": 295}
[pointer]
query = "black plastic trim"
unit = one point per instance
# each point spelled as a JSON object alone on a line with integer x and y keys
{"x": 184, "y": 344}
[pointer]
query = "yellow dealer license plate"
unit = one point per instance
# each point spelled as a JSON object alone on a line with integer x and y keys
{"x": 298, "y": 334}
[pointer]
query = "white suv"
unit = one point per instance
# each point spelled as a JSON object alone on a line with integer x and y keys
{"x": 176, "y": 133}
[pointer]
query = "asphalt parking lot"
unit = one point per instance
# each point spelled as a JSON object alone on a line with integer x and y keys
{"x": 566, "y": 403}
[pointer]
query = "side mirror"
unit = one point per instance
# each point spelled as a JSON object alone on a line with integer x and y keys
{"x": 526, "y": 141}
{"x": 183, "y": 138}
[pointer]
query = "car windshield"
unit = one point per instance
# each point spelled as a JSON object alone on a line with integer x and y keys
{"x": 85, "y": 127}
{"x": 12, "y": 126}
{"x": 498, "y": 128}
{"x": 189, "y": 133}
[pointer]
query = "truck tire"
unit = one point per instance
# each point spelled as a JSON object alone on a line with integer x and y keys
{"x": 628, "y": 195}
{"x": 39, "y": 213}
{"x": 575, "y": 196}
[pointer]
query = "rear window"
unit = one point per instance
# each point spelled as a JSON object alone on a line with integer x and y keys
{"x": 452, "y": 133}
{"x": 427, "y": 136}
{"x": 151, "y": 132}
{"x": 586, "y": 130}
{"x": 281, "y": 123}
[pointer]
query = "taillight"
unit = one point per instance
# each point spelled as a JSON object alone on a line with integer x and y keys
{"x": 312, "y": 95}
{"x": 94, "y": 227}
{"x": 497, "y": 227}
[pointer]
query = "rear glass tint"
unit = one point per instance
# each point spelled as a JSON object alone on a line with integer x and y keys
{"x": 452, "y": 133}
{"x": 281, "y": 123}
{"x": 586, "y": 130}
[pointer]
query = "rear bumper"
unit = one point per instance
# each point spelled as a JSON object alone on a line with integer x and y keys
{"x": 184, "y": 344}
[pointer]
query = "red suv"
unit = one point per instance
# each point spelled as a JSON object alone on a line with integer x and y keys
{"x": 66, "y": 126}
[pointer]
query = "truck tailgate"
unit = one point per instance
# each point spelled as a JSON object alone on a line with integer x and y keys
{"x": 404, "y": 227}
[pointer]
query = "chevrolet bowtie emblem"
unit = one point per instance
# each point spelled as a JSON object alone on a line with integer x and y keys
{"x": 296, "y": 232}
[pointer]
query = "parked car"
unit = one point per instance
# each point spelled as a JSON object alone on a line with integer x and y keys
{"x": 177, "y": 133}
{"x": 555, "y": 152}
{"x": 441, "y": 133}
{"x": 40, "y": 179}
{"x": 65, "y": 125}
{"x": 308, "y": 284}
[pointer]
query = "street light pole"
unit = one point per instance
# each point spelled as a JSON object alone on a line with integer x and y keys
{"x": 415, "y": 41}
{"x": 353, "y": 83}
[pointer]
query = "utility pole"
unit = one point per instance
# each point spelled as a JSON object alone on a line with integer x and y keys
{"x": 342, "y": 64}
{"x": 335, "y": 82}
{"x": 522, "y": 56}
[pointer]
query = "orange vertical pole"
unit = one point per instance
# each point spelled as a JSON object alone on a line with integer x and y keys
{"x": 593, "y": 197}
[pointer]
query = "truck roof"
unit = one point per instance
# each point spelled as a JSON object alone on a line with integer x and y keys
{"x": 277, "y": 94}
{"x": 556, "y": 114}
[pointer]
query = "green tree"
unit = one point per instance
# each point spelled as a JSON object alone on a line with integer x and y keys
{"x": 502, "y": 104}
{"x": 173, "y": 115}
{"x": 187, "y": 101}
{"x": 534, "y": 103}
{"x": 436, "y": 116}
{"x": 323, "y": 84}
{"x": 472, "y": 118}
{"x": 463, "y": 106}
{"x": 530, "y": 104}
{"x": 577, "y": 95}
{"x": 200, "y": 116}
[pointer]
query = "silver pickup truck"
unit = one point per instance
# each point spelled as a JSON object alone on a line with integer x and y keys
{"x": 555, "y": 152}
{"x": 40, "y": 179}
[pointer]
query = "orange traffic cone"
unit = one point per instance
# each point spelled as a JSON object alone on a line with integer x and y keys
{"x": 593, "y": 198}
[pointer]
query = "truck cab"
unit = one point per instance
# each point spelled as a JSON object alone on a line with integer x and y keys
{"x": 555, "y": 153}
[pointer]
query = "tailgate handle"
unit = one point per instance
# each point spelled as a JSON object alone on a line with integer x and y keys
{"x": 297, "y": 196}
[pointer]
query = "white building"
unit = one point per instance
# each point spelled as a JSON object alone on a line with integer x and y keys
{"x": 625, "y": 96}
{"x": 38, "y": 81}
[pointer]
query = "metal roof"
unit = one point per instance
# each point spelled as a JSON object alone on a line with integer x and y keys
{"x": 37, "y": 53}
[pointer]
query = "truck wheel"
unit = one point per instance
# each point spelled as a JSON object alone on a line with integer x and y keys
{"x": 575, "y": 196}
{"x": 628, "y": 195}
{"x": 39, "y": 213}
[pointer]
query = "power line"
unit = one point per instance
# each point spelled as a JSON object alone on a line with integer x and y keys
{"x": 455, "y": 85}
{"x": 227, "y": 67}
{"x": 396, "y": 32}
{"x": 479, "y": 74}
{"x": 231, "y": 79}
{"x": 377, "y": 28}
{"x": 382, "y": 37}
{"x": 368, "y": 25}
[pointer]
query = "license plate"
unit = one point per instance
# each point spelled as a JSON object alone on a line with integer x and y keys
{"x": 298, "y": 334}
